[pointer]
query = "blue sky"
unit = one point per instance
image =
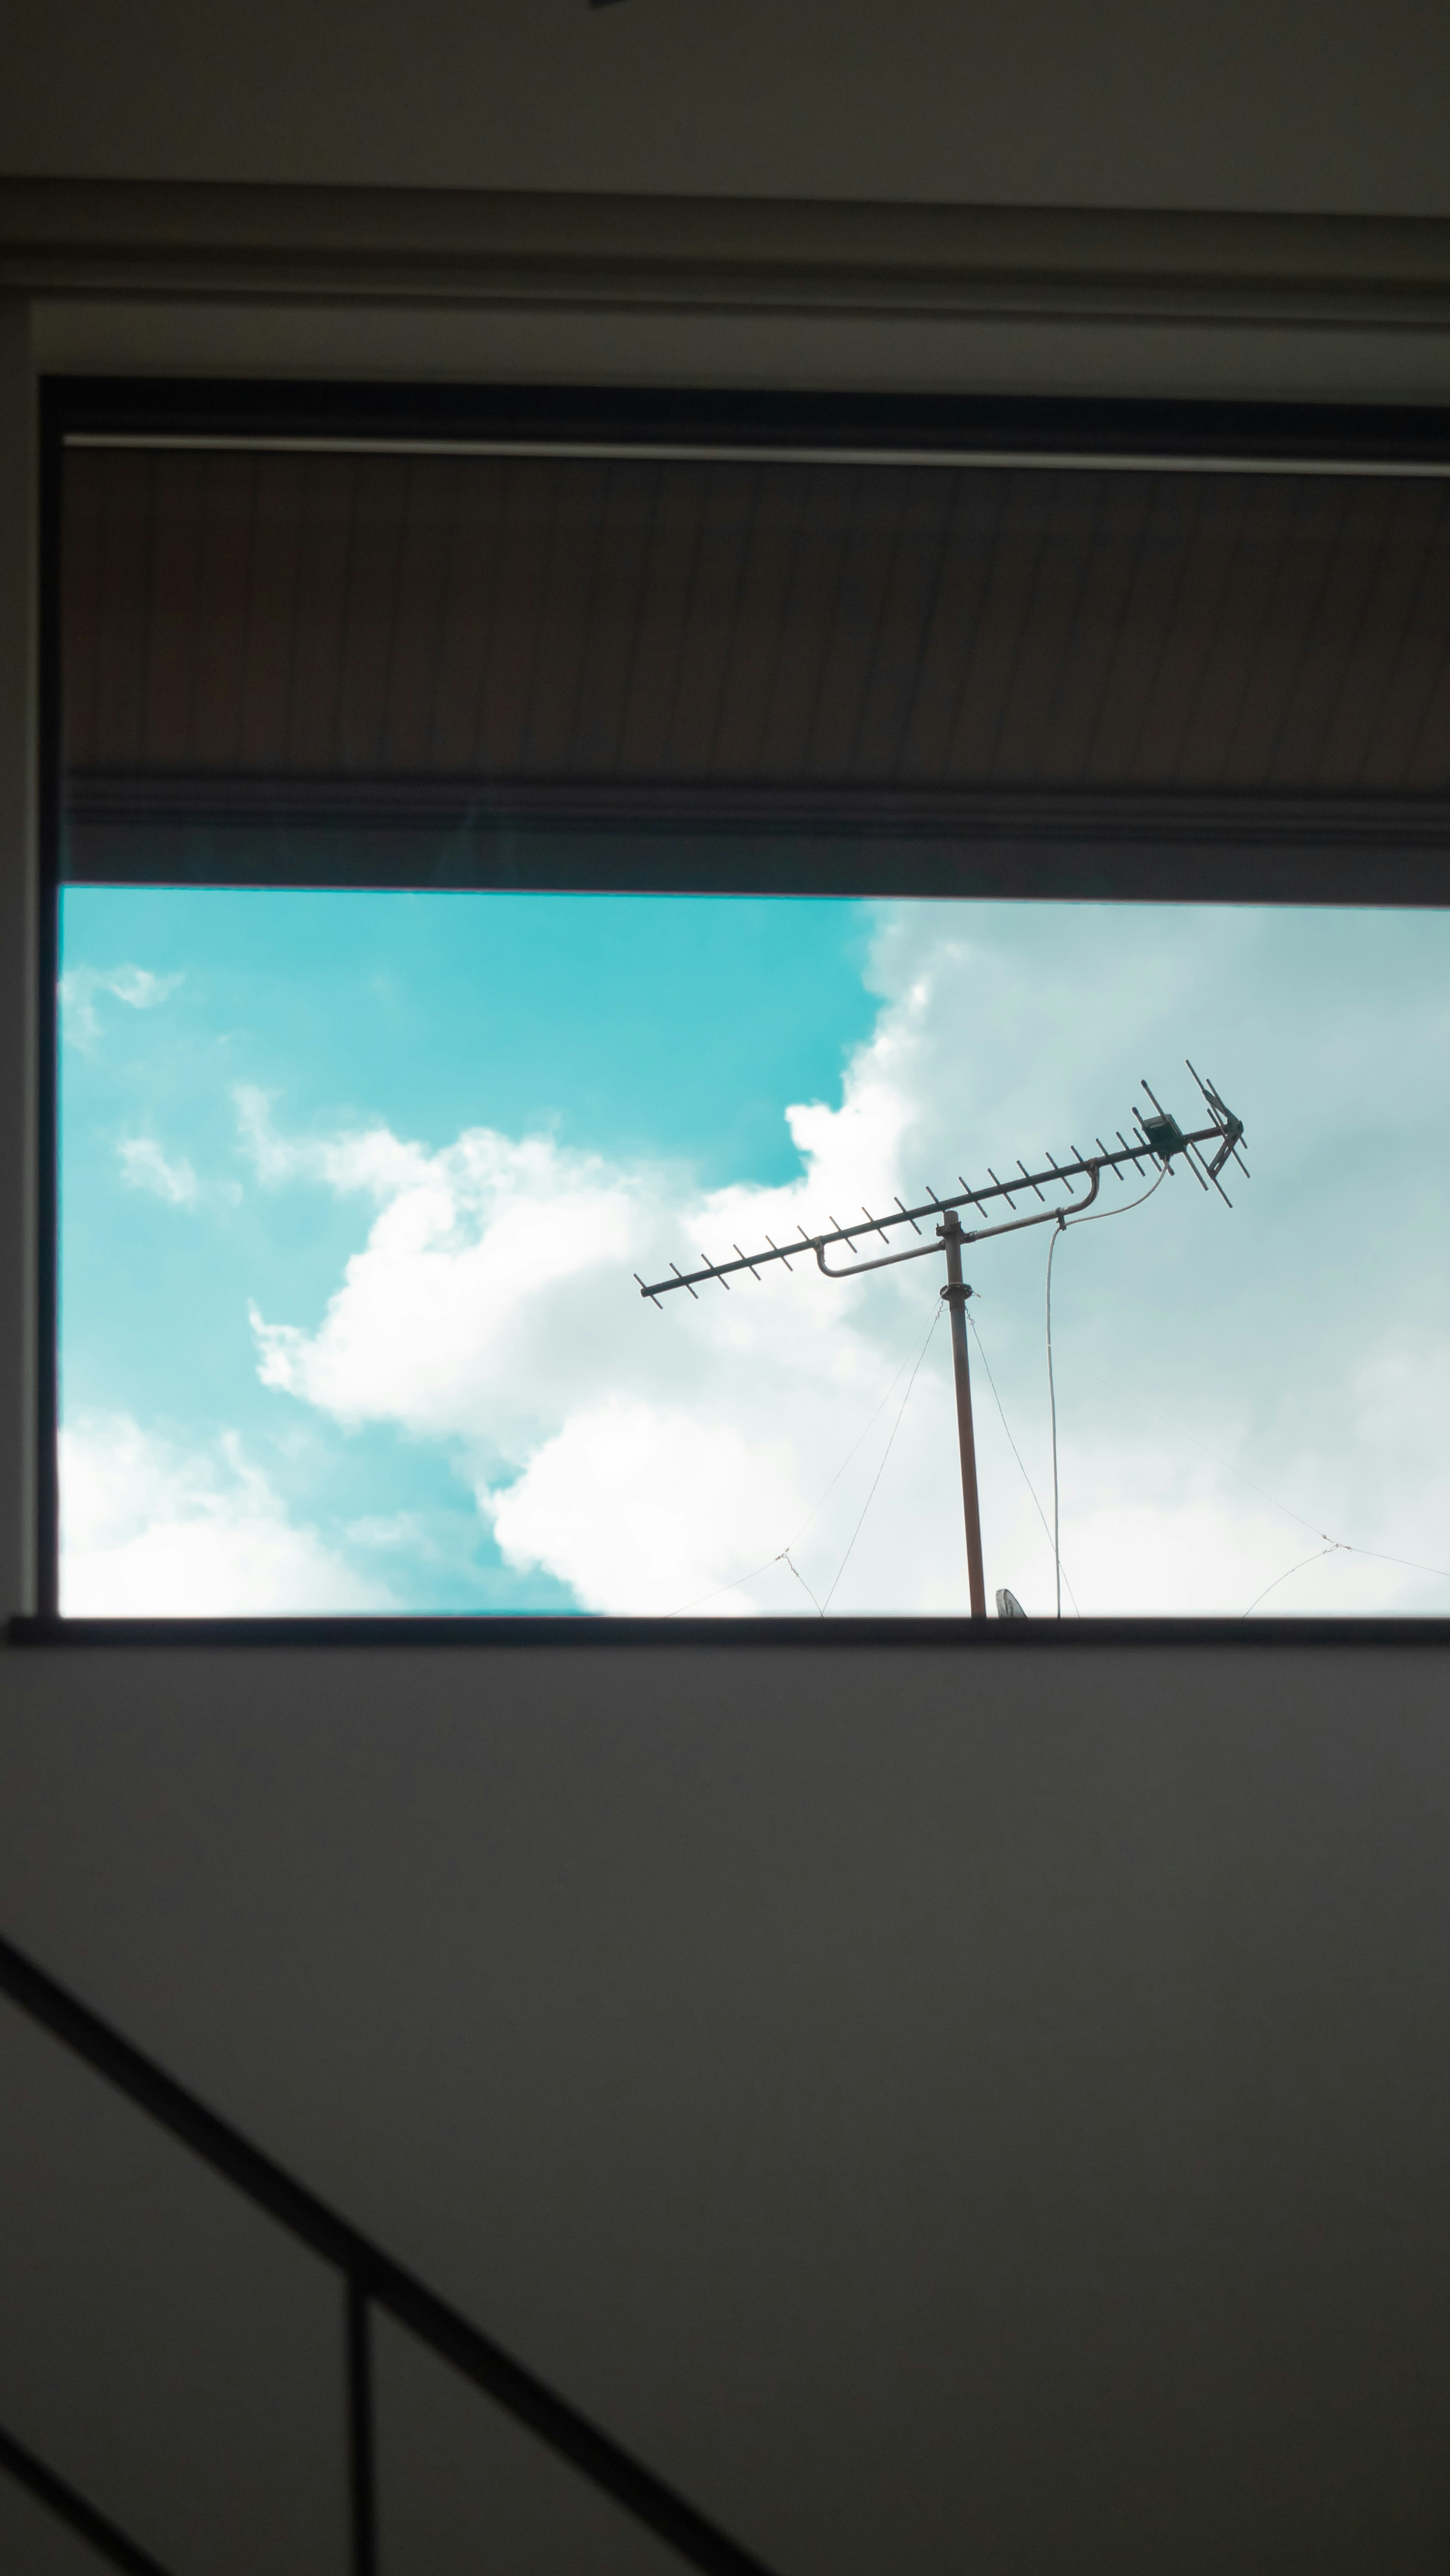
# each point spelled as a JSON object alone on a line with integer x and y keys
{"x": 353, "y": 1185}
{"x": 636, "y": 1027}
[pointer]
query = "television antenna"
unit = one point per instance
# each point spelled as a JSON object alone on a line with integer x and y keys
{"x": 1159, "y": 1141}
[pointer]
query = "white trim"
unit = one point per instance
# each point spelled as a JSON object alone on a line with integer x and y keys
{"x": 1030, "y": 460}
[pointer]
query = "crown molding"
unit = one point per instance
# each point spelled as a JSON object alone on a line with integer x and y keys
{"x": 150, "y": 239}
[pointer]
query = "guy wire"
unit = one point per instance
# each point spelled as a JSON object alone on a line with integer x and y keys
{"x": 783, "y": 1554}
{"x": 1061, "y": 1228}
{"x": 1016, "y": 1452}
{"x": 885, "y": 1454}
{"x": 1335, "y": 1548}
{"x": 1341, "y": 1546}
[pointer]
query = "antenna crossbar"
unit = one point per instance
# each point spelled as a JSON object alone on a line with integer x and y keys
{"x": 1224, "y": 1135}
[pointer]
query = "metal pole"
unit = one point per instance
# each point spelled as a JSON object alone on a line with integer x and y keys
{"x": 956, "y": 1295}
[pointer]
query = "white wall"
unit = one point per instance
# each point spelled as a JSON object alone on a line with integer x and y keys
{"x": 1258, "y": 104}
{"x": 948, "y": 2111}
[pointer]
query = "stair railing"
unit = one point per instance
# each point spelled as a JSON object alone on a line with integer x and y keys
{"x": 371, "y": 2279}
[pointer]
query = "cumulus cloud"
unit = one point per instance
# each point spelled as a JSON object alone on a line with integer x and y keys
{"x": 152, "y": 1529}
{"x": 652, "y": 1459}
{"x": 82, "y": 986}
{"x": 624, "y": 1452}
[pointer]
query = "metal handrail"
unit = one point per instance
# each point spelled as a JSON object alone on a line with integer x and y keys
{"x": 372, "y": 2280}
{"x": 70, "y": 2506}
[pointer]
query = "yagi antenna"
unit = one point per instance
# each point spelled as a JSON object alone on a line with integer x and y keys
{"x": 1159, "y": 1141}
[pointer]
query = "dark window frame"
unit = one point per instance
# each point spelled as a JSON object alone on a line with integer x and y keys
{"x": 1352, "y": 868}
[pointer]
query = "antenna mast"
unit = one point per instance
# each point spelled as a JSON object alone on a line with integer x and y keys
{"x": 956, "y": 1294}
{"x": 1158, "y": 1141}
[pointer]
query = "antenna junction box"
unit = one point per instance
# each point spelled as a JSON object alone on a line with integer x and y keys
{"x": 1165, "y": 1136}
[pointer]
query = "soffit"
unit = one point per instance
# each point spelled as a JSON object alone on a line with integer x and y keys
{"x": 803, "y": 631}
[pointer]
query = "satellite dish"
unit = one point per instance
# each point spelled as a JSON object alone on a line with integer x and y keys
{"x": 1008, "y": 1605}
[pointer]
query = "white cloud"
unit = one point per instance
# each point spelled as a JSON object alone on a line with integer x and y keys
{"x": 370, "y": 1162}
{"x": 649, "y": 1458}
{"x": 392, "y": 1530}
{"x": 493, "y": 1306}
{"x": 149, "y": 1529}
{"x": 80, "y": 986}
{"x": 146, "y": 1167}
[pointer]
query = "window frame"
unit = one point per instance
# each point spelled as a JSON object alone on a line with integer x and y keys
{"x": 1354, "y": 868}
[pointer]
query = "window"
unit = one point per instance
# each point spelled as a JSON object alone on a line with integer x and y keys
{"x": 519, "y": 849}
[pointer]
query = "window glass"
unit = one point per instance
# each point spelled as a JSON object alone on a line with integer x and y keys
{"x": 356, "y": 1186}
